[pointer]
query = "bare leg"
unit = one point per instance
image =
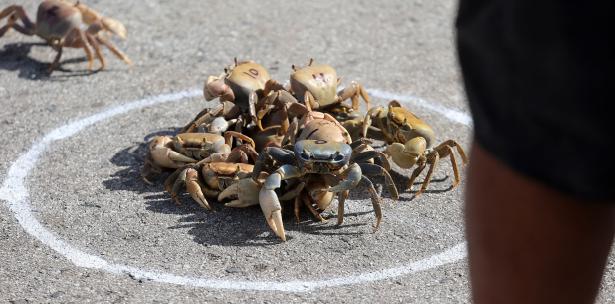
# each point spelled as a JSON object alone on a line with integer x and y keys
{"x": 529, "y": 243}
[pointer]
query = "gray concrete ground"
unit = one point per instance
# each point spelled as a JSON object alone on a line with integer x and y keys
{"x": 86, "y": 189}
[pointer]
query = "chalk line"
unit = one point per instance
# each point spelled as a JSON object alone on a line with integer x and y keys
{"x": 15, "y": 193}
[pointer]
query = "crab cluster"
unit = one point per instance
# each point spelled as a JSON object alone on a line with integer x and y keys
{"x": 266, "y": 143}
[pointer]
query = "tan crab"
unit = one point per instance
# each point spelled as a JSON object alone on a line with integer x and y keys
{"x": 187, "y": 148}
{"x": 240, "y": 84}
{"x": 214, "y": 178}
{"x": 216, "y": 120}
{"x": 317, "y": 84}
{"x": 64, "y": 24}
{"x": 410, "y": 140}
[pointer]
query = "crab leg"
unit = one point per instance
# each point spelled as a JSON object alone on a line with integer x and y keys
{"x": 203, "y": 116}
{"x": 228, "y": 135}
{"x": 341, "y": 199}
{"x": 114, "y": 50}
{"x": 268, "y": 199}
{"x": 433, "y": 162}
{"x": 194, "y": 186}
{"x": 310, "y": 101}
{"x": 19, "y": 12}
{"x": 453, "y": 143}
{"x": 56, "y": 60}
{"x": 353, "y": 177}
{"x": 293, "y": 192}
{"x": 375, "y": 200}
{"x": 291, "y": 134}
{"x": 10, "y": 24}
{"x": 178, "y": 178}
{"x": 353, "y": 92}
{"x": 272, "y": 85}
{"x": 252, "y": 100}
{"x": 297, "y": 209}
{"x": 420, "y": 167}
{"x": 278, "y": 154}
{"x": 150, "y": 169}
{"x": 376, "y": 170}
{"x": 367, "y": 155}
{"x": 308, "y": 203}
{"x": 97, "y": 49}
{"x": 241, "y": 153}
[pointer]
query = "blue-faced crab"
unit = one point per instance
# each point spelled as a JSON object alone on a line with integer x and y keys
{"x": 64, "y": 24}
{"x": 320, "y": 161}
{"x": 410, "y": 141}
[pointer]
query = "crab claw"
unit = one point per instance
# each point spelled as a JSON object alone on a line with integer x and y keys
{"x": 194, "y": 188}
{"x": 272, "y": 209}
{"x": 215, "y": 87}
{"x": 243, "y": 193}
{"x": 115, "y": 27}
{"x": 164, "y": 156}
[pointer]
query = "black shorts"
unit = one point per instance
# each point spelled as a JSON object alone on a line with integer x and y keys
{"x": 540, "y": 78}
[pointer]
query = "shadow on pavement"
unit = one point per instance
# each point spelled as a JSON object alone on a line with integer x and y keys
{"x": 15, "y": 57}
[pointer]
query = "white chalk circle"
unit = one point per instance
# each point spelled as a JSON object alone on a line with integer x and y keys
{"x": 16, "y": 195}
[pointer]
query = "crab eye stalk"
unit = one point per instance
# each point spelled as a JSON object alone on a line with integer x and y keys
{"x": 304, "y": 155}
{"x": 338, "y": 157}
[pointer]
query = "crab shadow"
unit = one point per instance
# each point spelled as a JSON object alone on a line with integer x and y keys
{"x": 245, "y": 227}
{"x": 221, "y": 226}
{"x": 16, "y": 57}
{"x": 401, "y": 182}
{"x": 130, "y": 160}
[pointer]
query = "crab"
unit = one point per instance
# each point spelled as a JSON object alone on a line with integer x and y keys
{"x": 320, "y": 155}
{"x": 410, "y": 142}
{"x": 240, "y": 84}
{"x": 309, "y": 161}
{"x": 63, "y": 24}
{"x": 316, "y": 84}
{"x": 187, "y": 148}
{"x": 215, "y": 177}
{"x": 217, "y": 120}
{"x": 274, "y": 112}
